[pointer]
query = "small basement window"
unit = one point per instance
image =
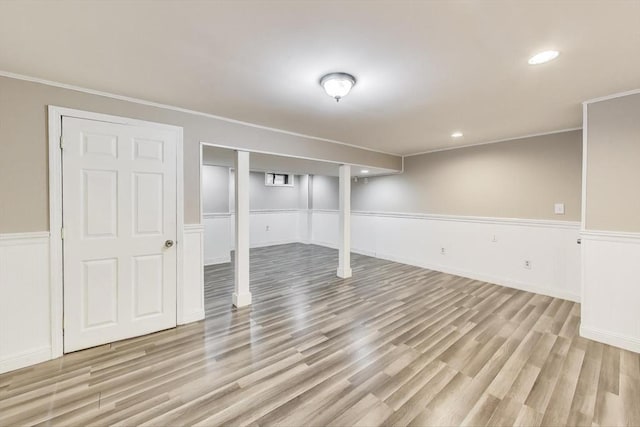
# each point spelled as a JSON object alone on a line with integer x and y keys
{"x": 278, "y": 179}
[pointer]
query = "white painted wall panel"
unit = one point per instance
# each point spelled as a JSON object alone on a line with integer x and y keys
{"x": 284, "y": 226}
{"x": 274, "y": 227}
{"x": 611, "y": 289}
{"x": 25, "y": 315}
{"x": 218, "y": 230}
{"x": 470, "y": 249}
{"x": 304, "y": 225}
{"x": 324, "y": 228}
{"x": 191, "y": 299}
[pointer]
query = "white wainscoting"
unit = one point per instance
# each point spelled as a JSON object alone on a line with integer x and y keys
{"x": 25, "y": 295}
{"x": 217, "y": 238}
{"x": 470, "y": 249}
{"x": 25, "y": 300}
{"x": 267, "y": 228}
{"x": 273, "y": 227}
{"x": 611, "y": 288}
{"x": 487, "y": 249}
{"x": 325, "y": 228}
{"x": 305, "y": 221}
{"x": 192, "y": 295}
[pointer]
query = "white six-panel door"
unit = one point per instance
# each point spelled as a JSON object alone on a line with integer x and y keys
{"x": 119, "y": 224}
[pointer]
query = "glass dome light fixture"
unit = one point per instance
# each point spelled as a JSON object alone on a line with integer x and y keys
{"x": 542, "y": 57}
{"x": 337, "y": 85}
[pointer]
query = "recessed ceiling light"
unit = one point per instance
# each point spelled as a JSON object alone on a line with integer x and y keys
{"x": 456, "y": 135}
{"x": 337, "y": 85}
{"x": 542, "y": 57}
{"x": 364, "y": 171}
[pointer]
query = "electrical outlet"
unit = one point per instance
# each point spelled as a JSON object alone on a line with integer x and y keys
{"x": 442, "y": 251}
{"x": 527, "y": 264}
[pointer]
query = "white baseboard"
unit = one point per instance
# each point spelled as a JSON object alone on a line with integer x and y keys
{"x": 334, "y": 246}
{"x": 227, "y": 259}
{"x": 361, "y": 252}
{"x": 24, "y": 359}
{"x": 611, "y": 338}
{"x": 344, "y": 273}
{"x": 217, "y": 260}
{"x": 241, "y": 300}
{"x": 464, "y": 273}
{"x": 274, "y": 243}
{"x": 192, "y": 316}
{"x": 490, "y": 279}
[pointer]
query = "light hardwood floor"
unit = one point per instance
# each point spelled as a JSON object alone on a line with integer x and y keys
{"x": 394, "y": 345}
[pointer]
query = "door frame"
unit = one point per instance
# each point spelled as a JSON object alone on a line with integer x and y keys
{"x": 56, "y": 289}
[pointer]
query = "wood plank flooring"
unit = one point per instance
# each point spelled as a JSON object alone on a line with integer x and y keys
{"x": 394, "y": 345}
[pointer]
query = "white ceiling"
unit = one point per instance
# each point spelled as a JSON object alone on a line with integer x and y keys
{"x": 424, "y": 69}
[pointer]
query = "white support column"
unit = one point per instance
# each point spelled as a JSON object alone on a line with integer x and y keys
{"x": 344, "y": 238}
{"x": 242, "y": 294}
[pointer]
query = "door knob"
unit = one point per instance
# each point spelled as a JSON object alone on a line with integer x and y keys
{"x": 168, "y": 243}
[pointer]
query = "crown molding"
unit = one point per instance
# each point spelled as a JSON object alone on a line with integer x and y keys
{"x": 612, "y": 96}
{"x": 553, "y": 132}
{"x": 181, "y": 110}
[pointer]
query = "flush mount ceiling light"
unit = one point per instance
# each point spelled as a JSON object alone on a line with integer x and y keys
{"x": 456, "y": 135}
{"x": 542, "y": 57}
{"x": 337, "y": 85}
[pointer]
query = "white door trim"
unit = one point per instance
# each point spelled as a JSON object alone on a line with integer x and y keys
{"x": 55, "y": 212}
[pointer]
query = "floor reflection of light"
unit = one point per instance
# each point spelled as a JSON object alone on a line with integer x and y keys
{"x": 362, "y": 344}
{"x": 301, "y": 308}
{"x": 229, "y": 329}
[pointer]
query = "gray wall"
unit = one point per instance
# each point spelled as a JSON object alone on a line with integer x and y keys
{"x": 324, "y": 192}
{"x": 613, "y": 165}
{"x": 522, "y": 178}
{"x": 515, "y": 179}
{"x": 304, "y": 192}
{"x": 24, "y": 154}
{"x": 215, "y": 189}
{"x": 267, "y": 197}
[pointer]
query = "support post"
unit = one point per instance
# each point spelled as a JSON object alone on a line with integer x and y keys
{"x": 242, "y": 294}
{"x": 344, "y": 238}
